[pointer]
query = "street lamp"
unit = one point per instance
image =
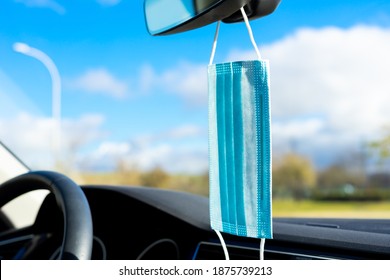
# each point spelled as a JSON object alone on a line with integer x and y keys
{"x": 56, "y": 88}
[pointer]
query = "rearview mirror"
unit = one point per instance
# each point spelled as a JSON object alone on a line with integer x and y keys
{"x": 168, "y": 17}
{"x": 173, "y": 16}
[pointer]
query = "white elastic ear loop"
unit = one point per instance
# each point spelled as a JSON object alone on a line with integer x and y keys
{"x": 248, "y": 26}
{"x": 214, "y": 43}
{"x": 262, "y": 243}
{"x": 250, "y": 32}
{"x": 225, "y": 251}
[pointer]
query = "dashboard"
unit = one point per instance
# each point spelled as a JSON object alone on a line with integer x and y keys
{"x": 149, "y": 223}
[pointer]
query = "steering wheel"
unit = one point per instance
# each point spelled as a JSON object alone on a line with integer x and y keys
{"x": 78, "y": 233}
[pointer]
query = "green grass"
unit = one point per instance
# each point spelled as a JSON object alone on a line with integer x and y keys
{"x": 308, "y": 208}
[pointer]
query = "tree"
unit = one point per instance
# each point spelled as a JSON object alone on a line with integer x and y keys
{"x": 381, "y": 147}
{"x": 294, "y": 174}
{"x": 156, "y": 177}
{"x": 337, "y": 175}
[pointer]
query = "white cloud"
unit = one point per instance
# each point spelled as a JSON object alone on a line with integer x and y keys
{"x": 50, "y": 4}
{"x": 82, "y": 131}
{"x": 186, "y": 80}
{"x": 185, "y": 131}
{"x": 172, "y": 158}
{"x": 329, "y": 87}
{"x": 109, "y": 149}
{"x": 100, "y": 81}
{"x": 180, "y": 149}
{"x": 180, "y": 133}
{"x": 108, "y": 2}
{"x": 85, "y": 145}
{"x": 32, "y": 137}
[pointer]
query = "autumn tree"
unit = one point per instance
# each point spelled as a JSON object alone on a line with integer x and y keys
{"x": 337, "y": 175}
{"x": 156, "y": 177}
{"x": 293, "y": 174}
{"x": 381, "y": 146}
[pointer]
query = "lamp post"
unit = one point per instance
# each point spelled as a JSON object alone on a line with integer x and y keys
{"x": 56, "y": 89}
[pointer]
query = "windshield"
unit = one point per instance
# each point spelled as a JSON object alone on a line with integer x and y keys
{"x": 131, "y": 109}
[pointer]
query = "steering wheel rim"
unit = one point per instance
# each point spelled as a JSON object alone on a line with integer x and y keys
{"x": 78, "y": 233}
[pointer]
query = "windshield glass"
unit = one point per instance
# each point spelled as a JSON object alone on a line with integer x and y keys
{"x": 131, "y": 109}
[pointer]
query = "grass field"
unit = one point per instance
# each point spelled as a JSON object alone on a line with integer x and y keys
{"x": 307, "y": 208}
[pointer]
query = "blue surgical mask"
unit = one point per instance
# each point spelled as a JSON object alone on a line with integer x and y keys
{"x": 240, "y": 147}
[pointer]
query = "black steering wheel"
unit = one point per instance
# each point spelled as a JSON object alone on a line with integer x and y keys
{"x": 78, "y": 233}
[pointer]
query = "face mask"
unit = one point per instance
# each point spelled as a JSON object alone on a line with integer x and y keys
{"x": 240, "y": 147}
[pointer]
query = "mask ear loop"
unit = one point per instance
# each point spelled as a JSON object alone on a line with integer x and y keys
{"x": 214, "y": 43}
{"x": 250, "y": 32}
{"x": 262, "y": 243}
{"x": 223, "y": 244}
{"x": 262, "y": 240}
{"x": 248, "y": 26}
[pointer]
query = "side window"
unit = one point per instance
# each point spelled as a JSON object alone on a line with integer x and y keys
{"x": 23, "y": 210}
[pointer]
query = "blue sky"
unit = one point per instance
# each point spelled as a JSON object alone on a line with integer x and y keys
{"x": 131, "y": 97}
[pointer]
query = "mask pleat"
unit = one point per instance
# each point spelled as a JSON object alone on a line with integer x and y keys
{"x": 227, "y": 115}
{"x": 215, "y": 192}
{"x": 238, "y": 159}
{"x": 222, "y": 147}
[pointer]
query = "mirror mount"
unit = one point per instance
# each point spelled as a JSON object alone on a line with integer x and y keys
{"x": 254, "y": 9}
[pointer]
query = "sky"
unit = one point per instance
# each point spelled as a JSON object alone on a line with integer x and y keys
{"x": 135, "y": 99}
